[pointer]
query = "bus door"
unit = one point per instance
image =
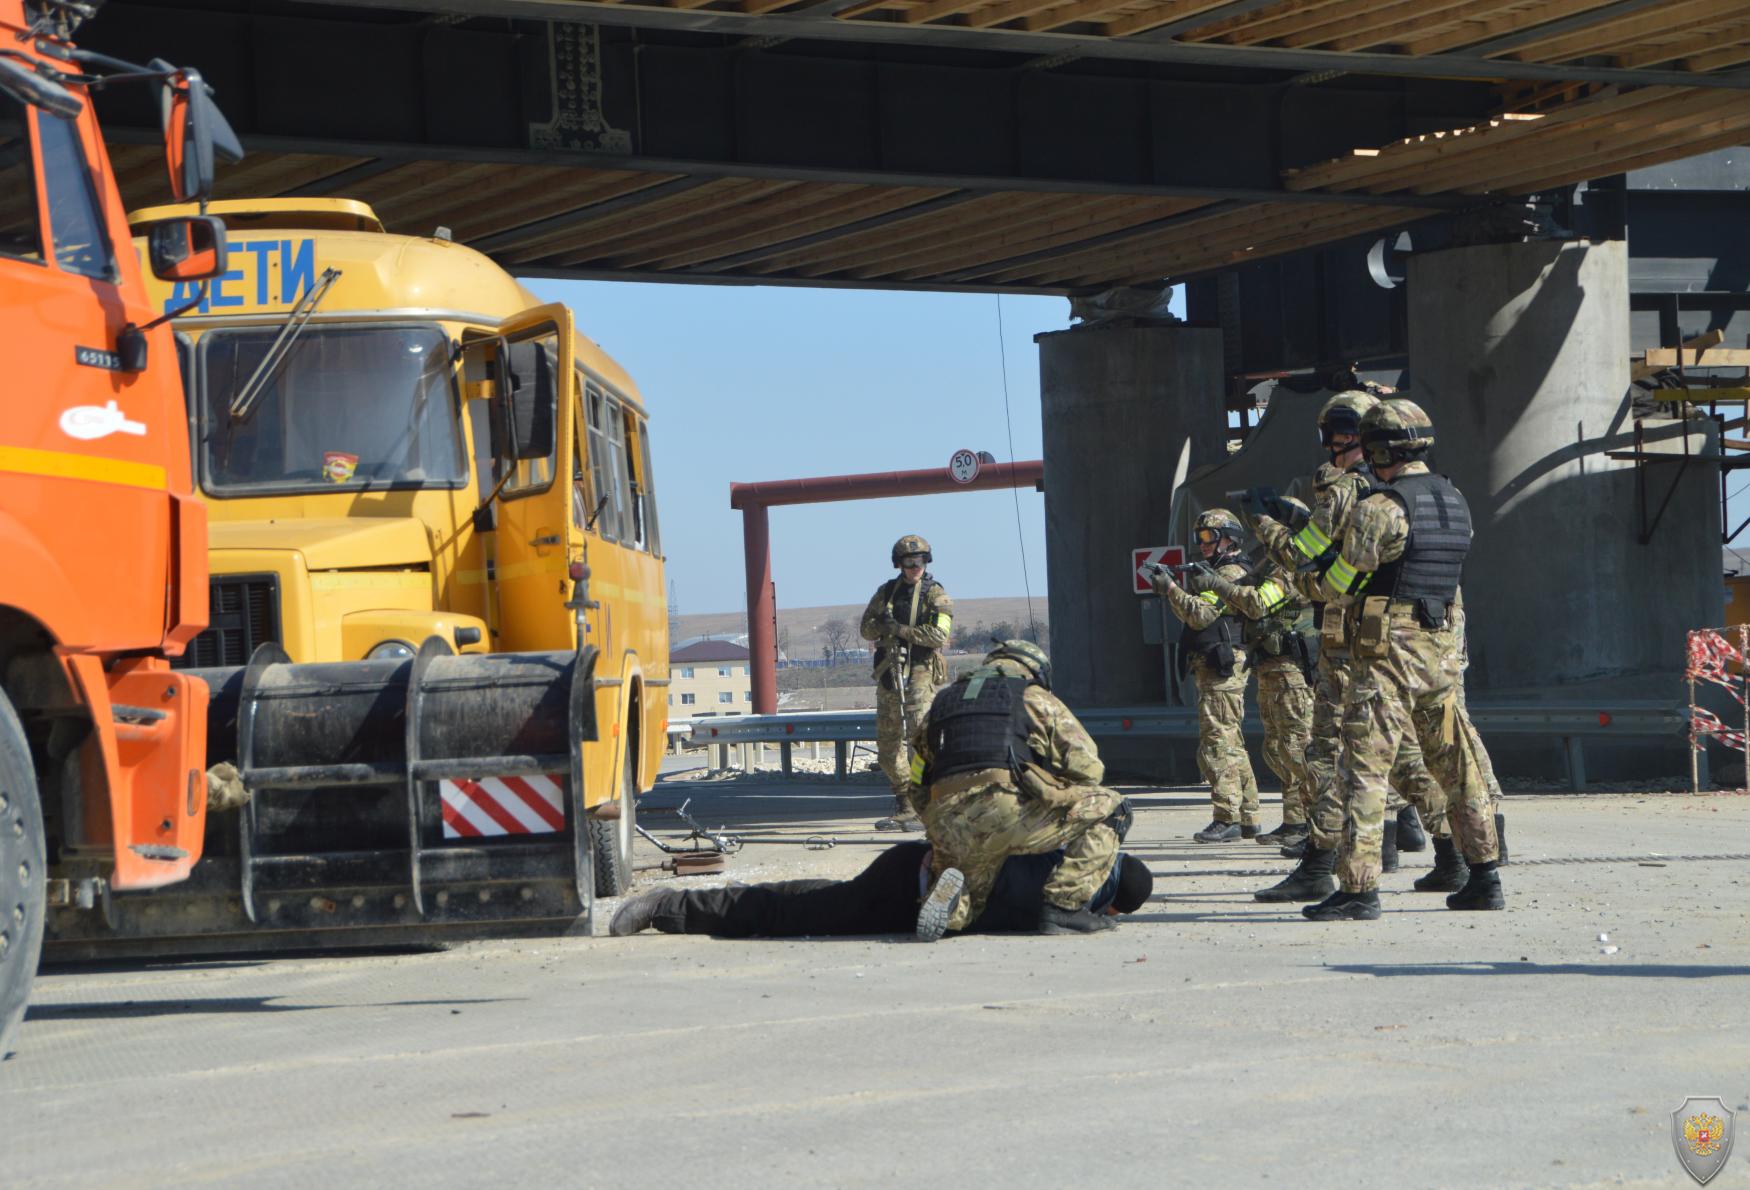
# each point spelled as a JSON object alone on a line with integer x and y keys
{"x": 526, "y": 368}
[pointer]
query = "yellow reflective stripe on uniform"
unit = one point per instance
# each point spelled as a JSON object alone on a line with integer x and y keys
{"x": 944, "y": 621}
{"x": 917, "y": 769}
{"x": 1311, "y": 541}
{"x": 1271, "y": 592}
{"x": 1344, "y": 578}
{"x": 1211, "y": 598}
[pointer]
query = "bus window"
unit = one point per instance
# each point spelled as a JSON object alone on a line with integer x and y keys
{"x": 601, "y": 457}
{"x": 529, "y": 476}
{"x": 617, "y": 459}
{"x": 643, "y": 495}
{"x": 649, "y": 477}
{"x": 485, "y": 466}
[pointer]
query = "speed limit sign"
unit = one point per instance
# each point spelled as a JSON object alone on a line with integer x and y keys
{"x": 963, "y": 466}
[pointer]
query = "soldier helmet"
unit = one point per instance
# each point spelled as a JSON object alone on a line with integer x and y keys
{"x": 1222, "y": 522}
{"x": 911, "y": 543}
{"x": 1342, "y": 414}
{"x": 1025, "y": 654}
{"x": 1395, "y": 431}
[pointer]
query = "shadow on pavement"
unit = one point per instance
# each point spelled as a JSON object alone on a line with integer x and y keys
{"x": 1632, "y": 970}
{"x": 124, "y": 1010}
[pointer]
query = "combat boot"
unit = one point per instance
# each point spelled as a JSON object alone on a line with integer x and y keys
{"x": 1388, "y": 847}
{"x": 1218, "y": 832}
{"x": 1450, "y": 871}
{"x": 1055, "y": 919}
{"x": 903, "y": 818}
{"x": 1280, "y": 835}
{"x": 1310, "y": 880}
{"x": 1297, "y": 848}
{"x": 1411, "y": 836}
{"x": 1342, "y": 906}
{"x": 640, "y": 912}
{"x": 1500, "y": 840}
{"x": 1481, "y": 891}
{"x": 1249, "y": 832}
{"x": 939, "y": 906}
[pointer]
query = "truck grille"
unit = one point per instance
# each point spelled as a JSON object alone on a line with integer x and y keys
{"x": 244, "y": 611}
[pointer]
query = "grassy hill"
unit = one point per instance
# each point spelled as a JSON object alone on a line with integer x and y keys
{"x": 800, "y": 628}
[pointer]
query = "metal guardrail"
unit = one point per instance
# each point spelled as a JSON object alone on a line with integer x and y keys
{"x": 1571, "y": 723}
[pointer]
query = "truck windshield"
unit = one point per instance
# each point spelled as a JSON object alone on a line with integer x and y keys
{"x": 351, "y": 408}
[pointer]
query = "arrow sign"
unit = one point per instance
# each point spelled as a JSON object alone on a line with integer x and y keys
{"x": 1166, "y": 555}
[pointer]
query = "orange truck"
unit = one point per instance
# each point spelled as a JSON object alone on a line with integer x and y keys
{"x": 102, "y": 744}
{"x": 330, "y": 826}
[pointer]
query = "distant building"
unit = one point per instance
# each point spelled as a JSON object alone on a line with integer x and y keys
{"x": 709, "y": 677}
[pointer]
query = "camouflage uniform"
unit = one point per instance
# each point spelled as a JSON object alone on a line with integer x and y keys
{"x": 1221, "y": 703}
{"x": 923, "y": 615}
{"x": 976, "y": 820}
{"x": 1276, "y": 635}
{"x": 1414, "y": 689}
{"x": 1335, "y": 493}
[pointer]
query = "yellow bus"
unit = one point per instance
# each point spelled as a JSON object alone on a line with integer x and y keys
{"x": 395, "y": 440}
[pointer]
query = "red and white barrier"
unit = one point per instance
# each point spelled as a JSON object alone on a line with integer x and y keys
{"x": 495, "y": 806}
{"x": 1717, "y": 655}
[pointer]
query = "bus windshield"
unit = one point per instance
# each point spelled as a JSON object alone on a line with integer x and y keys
{"x": 352, "y": 408}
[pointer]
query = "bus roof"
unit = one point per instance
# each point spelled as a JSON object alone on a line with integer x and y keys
{"x": 280, "y": 246}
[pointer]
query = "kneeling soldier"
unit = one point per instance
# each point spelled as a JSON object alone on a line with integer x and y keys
{"x": 1000, "y": 767}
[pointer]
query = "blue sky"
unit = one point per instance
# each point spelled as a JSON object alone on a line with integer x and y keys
{"x": 758, "y": 383}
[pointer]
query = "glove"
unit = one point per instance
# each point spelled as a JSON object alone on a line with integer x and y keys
{"x": 1159, "y": 574}
{"x": 888, "y": 625}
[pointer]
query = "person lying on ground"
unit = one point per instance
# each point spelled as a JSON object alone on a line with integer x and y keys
{"x": 882, "y": 899}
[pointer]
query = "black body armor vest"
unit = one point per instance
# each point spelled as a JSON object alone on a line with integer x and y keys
{"x": 1428, "y": 572}
{"x": 979, "y": 722}
{"x": 1214, "y": 644}
{"x": 899, "y": 597}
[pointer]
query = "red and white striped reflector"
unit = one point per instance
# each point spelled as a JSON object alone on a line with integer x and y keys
{"x": 503, "y": 806}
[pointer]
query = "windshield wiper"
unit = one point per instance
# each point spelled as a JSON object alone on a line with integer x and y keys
{"x": 281, "y": 347}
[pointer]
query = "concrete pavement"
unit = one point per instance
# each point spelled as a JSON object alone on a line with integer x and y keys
{"x": 1209, "y": 1041}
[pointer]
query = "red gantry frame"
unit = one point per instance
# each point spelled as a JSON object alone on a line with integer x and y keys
{"x": 753, "y": 499}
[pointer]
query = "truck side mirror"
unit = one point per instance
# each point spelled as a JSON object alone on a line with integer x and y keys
{"x": 526, "y": 401}
{"x": 191, "y": 248}
{"x": 194, "y": 130}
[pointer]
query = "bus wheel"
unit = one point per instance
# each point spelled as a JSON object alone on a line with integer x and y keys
{"x": 21, "y": 874}
{"x": 612, "y": 838}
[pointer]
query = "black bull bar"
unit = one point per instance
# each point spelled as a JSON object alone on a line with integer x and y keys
{"x": 342, "y": 842}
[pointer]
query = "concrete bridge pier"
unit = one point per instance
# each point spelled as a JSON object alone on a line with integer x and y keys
{"x": 1520, "y": 354}
{"x": 1127, "y": 412}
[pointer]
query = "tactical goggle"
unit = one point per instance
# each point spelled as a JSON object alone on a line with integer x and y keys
{"x": 912, "y": 561}
{"x": 1208, "y": 536}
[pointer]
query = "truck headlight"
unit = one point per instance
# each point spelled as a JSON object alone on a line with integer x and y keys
{"x": 390, "y": 650}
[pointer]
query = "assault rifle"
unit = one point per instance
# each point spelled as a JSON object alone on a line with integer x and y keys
{"x": 1179, "y": 570}
{"x": 1263, "y": 501}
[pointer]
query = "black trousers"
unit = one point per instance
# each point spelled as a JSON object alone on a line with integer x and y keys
{"x": 882, "y": 899}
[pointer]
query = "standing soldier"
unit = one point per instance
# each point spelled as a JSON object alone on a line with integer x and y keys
{"x": 1278, "y": 621}
{"x": 1000, "y": 767}
{"x": 1213, "y": 647}
{"x": 1399, "y": 566}
{"x": 908, "y": 619}
{"x": 1337, "y": 487}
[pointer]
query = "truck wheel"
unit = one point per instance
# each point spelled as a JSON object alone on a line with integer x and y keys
{"x": 22, "y": 867}
{"x": 612, "y": 838}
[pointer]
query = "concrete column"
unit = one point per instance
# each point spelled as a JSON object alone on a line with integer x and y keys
{"x": 1520, "y": 354}
{"x": 1126, "y": 413}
